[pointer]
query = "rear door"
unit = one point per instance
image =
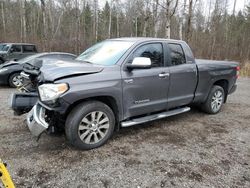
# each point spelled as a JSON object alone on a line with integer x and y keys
{"x": 183, "y": 76}
{"x": 145, "y": 90}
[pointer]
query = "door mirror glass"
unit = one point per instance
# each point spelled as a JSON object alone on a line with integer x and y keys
{"x": 140, "y": 63}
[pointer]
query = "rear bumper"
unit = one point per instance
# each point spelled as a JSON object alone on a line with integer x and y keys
{"x": 233, "y": 89}
{"x": 36, "y": 120}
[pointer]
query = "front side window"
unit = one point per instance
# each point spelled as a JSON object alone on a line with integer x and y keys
{"x": 16, "y": 48}
{"x": 177, "y": 54}
{"x": 105, "y": 53}
{"x": 153, "y": 51}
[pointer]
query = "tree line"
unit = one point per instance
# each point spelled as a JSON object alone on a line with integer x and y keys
{"x": 209, "y": 27}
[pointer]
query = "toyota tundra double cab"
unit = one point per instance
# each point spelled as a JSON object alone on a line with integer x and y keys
{"x": 120, "y": 83}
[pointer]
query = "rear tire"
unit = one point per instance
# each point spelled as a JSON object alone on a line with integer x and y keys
{"x": 215, "y": 100}
{"x": 15, "y": 80}
{"x": 89, "y": 125}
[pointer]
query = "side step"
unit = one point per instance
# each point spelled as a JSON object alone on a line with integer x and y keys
{"x": 155, "y": 117}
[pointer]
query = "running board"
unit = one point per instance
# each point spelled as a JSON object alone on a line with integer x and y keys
{"x": 155, "y": 117}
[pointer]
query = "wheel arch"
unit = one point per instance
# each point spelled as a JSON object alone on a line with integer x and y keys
{"x": 108, "y": 100}
{"x": 10, "y": 74}
{"x": 224, "y": 84}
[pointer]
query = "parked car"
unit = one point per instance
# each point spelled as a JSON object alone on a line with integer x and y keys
{"x": 16, "y": 51}
{"x": 10, "y": 71}
{"x": 120, "y": 83}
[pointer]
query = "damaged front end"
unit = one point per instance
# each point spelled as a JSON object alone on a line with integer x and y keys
{"x": 36, "y": 120}
{"x": 40, "y": 94}
{"x": 24, "y": 100}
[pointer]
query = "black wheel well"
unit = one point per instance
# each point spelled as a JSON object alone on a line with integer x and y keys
{"x": 108, "y": 100}
{"x": 12, "y": 74}
{"x": 224, "y": 84}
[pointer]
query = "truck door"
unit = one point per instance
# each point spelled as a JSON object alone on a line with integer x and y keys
{"x": 15, "y": 52}
{"x": 145, "y": 90}
{"x": 183, "y": 77}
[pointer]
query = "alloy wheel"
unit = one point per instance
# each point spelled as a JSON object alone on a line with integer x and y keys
{"x": 94, "y": 127}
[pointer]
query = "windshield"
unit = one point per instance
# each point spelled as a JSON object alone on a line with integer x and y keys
{"x": 4, "y": 47}
{"x": 105, "y": 53}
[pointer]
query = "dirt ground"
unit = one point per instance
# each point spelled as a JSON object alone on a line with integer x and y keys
{"x": 188, "y": 150}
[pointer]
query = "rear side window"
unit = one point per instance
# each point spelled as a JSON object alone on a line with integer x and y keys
{"x": 29, "y": 48}
{"x": 153, "y": 51}
{"x": 177, "y": 54}
{"x": 16, "y": 48}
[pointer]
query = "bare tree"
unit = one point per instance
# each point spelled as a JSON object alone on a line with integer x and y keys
{"x": 156, "y": 17}
{"x": 235, "y": 1}
{"x": 3, "y": 18}
{"x": 23, "y": 29}
{"x": 182, "y": 19}
{"x": 169, "y": 13}
{"x": 110, "y": 17}
{"x": 191, "y": 7}
{"x": 44, "y": 24}
{"x": 96, "y": 20}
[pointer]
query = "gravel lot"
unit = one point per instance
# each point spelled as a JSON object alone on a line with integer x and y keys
{"x": 188, "y": 150}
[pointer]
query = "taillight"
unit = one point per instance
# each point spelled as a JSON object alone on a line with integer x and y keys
{"x": 237, "y": 72}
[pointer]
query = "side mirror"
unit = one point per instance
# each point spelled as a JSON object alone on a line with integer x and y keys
{"x": 140, "y": 63}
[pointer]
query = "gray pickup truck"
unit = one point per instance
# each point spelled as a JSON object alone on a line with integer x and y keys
{"x": 122, "y": 82}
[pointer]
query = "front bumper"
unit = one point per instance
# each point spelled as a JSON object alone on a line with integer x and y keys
{"x": 22, "y": 103}
{"x": 36, "y": 120}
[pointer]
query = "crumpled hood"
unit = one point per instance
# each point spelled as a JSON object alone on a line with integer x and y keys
{"x": 53, "y": 70}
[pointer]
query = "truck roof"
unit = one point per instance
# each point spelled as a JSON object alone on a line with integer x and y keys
{"x": 144, "y": 39}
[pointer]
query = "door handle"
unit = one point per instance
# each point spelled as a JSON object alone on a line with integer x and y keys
{"x": 129, "y": 81}
{"x": 164, "y": 75}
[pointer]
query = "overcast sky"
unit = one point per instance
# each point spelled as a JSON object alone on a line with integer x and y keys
{"x": 239, "y": 5}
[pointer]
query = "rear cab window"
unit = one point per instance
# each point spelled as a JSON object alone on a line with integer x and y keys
{"x": 177, "y": 54}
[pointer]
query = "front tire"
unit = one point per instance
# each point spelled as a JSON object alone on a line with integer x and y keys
{"x": 215, "y": 100}
{"x": 89, "y": 125}
{"x": 15, "y": 80}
